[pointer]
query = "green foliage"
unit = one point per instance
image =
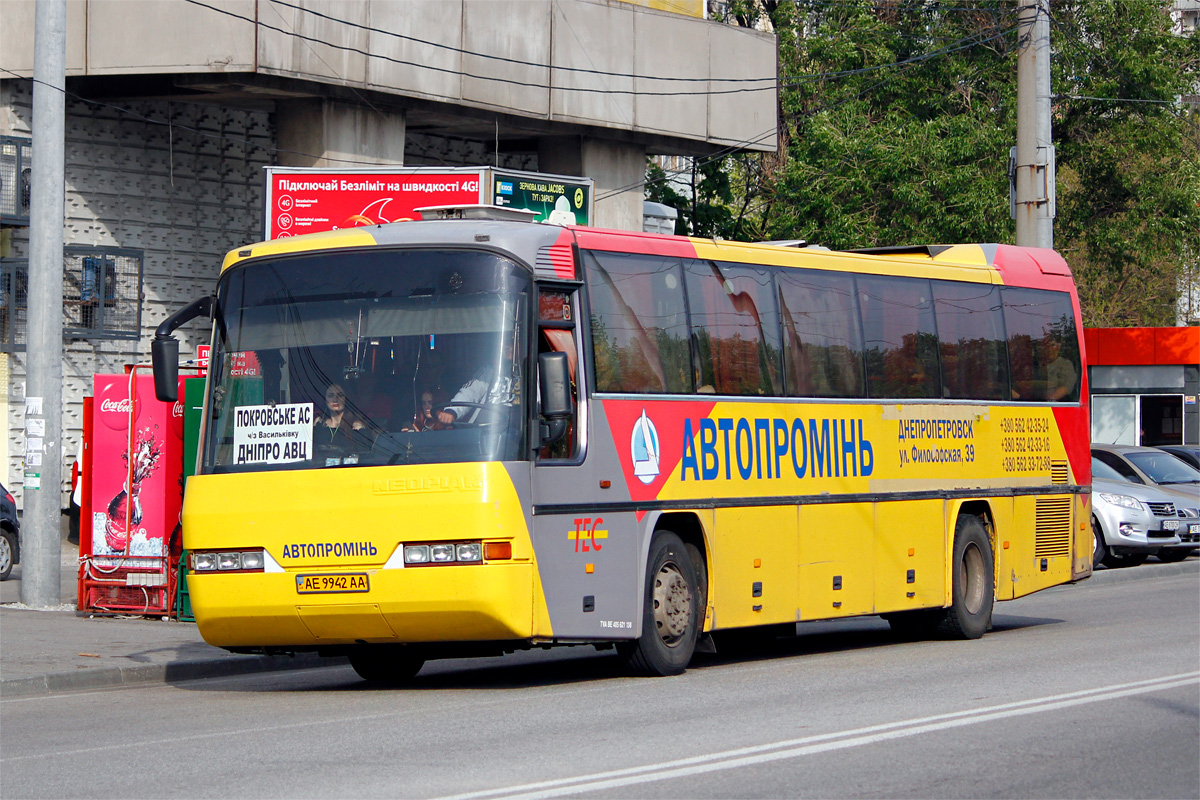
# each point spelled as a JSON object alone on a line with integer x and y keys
{"x": 896, "y": 117}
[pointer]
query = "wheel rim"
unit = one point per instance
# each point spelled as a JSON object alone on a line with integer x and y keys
{"x": 5, "y": 554}
{"x": 971, "y": 574}
{"x": 672, "y": 604}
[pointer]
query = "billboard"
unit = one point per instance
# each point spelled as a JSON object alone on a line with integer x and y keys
{"x": 307, "y": 200}
{"x": 557, "y": 199}
{"x": 303, "y": 201}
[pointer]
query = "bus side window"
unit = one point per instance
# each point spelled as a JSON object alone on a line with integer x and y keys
{"x": 900, "y": 337}
{"x": 735, "y": 329}
{"x": 822, "y": 349}
{"x": 639, "y": 323}
{"x": 1043, "y": 346}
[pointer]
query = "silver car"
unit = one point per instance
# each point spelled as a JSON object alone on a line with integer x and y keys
{"x": 1127, "y": 519}
{"x": 1149, "y": 466}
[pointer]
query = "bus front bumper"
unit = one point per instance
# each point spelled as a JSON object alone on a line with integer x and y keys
{"x": 486, "y": 602}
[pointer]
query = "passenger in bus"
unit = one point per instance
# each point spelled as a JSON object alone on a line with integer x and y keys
{"x": 424, "y": 419}
{"x": 1060, "y": 372}
{"x": 336, "y": 430}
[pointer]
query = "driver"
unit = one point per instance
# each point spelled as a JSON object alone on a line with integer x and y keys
{"x": 485, "y": 387}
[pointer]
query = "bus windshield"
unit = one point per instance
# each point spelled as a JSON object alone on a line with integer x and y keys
{"x": 366, "y": 358}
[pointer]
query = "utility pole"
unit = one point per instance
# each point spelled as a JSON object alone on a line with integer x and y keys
{"x": 40, "y": 570}
{"x": 1033, "y": 173}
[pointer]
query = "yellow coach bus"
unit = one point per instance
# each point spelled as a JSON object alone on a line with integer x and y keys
{"x": 470, "y": 436}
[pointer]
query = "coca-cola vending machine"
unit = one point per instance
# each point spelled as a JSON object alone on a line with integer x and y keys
{"x": 129, "y": 547}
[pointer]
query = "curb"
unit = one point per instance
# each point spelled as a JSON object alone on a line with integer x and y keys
{"x": 1144, "y": 572}
{"x": 142, "y": 675}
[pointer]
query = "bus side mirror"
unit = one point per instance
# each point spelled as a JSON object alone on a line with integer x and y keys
{"x": 165, "y": 355}
{"x": 164, "y": 349}
{"x": 554, "y": 382}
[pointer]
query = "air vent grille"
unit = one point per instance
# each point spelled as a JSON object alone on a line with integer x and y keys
{"x": 1052, "y": 535}
{"x": 1058, "y": 472}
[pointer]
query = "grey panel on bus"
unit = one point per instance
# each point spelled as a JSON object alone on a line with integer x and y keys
{"x": 560, "y": 541}
{"x": 522, "y": 239}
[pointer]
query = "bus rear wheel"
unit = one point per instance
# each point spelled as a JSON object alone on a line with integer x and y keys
{"x": 670, "y": 611}
{"x": 387, "y": 664}
{"x": 974, "y": 589}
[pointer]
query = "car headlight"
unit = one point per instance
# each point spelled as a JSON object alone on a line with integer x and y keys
{"x": 1125, "y": 501}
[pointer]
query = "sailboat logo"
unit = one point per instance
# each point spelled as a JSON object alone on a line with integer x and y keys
{"x": 643, "y": 446}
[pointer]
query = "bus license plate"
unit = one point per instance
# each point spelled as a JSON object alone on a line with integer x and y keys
{"x": 1170, "y": 525}
{"x": 327, "y": 583}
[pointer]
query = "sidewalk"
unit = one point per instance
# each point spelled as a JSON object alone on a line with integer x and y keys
{"x": 44, "y": 651}
{"x": 56, "y": 651}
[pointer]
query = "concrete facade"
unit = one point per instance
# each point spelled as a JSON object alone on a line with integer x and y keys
{"x": 174, "y": 109}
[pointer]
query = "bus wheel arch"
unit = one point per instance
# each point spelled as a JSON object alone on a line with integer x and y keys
{"x": 690, "y": 531}
{"x": 670, "y": 610}
{"x": 973, "y": 586}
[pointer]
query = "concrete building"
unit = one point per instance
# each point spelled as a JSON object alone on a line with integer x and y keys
{"x": 174, "y": 109}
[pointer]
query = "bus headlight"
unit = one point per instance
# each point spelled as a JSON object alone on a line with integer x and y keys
{"x": 443, "y": 554}
{"x": 229, "y": 561}
{"x": 416, "y": 554}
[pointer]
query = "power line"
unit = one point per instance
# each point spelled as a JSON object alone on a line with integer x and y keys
{"x": 504, "y": 59}
{"x": 494, "y": 78}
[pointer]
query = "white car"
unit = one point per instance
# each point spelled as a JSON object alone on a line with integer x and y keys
{"x": 1128, "y": 519}
{"x": 1178, "y": 480}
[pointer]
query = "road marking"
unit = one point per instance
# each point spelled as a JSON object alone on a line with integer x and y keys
{"x": 822, "y": 743}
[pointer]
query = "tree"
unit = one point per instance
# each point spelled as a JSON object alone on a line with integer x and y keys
{"x": 896, "y": 117}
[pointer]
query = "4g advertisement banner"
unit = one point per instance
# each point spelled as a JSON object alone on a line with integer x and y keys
{"x": 300, "y": 201}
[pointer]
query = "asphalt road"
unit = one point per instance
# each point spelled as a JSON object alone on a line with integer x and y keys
{"x": 1084, "y": 691}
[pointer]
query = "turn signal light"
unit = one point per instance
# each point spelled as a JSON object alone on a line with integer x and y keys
{"x": 497, "y": 551}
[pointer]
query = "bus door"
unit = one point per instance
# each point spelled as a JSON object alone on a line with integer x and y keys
{"x": 586, "y": 543}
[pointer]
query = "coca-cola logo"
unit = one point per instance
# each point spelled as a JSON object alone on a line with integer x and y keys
{"x": 120, "y": 406}
{"x": 177, "y": 409}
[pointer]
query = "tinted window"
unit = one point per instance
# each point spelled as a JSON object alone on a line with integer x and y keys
{"x": 899, "y": 337}
{"x": 1119, "y": 466}
{"x": 1043, "y": 349}
{"x": 639, "y": 323}
{"x": 735, "y": 329}
{"x": 822, "y": 342}
{"x": 970, "y": 326}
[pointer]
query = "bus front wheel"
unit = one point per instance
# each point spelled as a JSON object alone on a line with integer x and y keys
{"x": 386, "y": 663}
{"x": 670, "y": 611}
{"x": 974, "y": 585}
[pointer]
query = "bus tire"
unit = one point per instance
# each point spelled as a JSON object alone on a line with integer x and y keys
{"x": 670, "y": 611}
{"x": 386, "y": 663}
{"x": 973, "y": 591}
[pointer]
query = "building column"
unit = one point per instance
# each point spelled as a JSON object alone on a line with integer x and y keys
{"x": 328, "y": 133}
{"x": 619, "y": 169}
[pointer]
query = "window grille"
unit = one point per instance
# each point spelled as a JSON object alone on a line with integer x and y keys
{"x": 15, "y": 165}
{"x": 102, "y": 295}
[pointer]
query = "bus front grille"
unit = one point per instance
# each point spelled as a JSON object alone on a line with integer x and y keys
{"x": 1052, "y": 527}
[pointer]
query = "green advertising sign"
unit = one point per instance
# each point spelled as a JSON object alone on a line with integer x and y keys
{"x": 557, "y": 200}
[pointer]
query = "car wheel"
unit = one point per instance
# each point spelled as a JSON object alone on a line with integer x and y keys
{"x": 1101, "y": 550}
{"x": 1114, "y": 561}
{"x": 7, "y": 549}
{"x": 1174, "y": 554}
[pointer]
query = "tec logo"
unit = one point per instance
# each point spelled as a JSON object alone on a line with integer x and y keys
{"x": 586, "y": 533}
